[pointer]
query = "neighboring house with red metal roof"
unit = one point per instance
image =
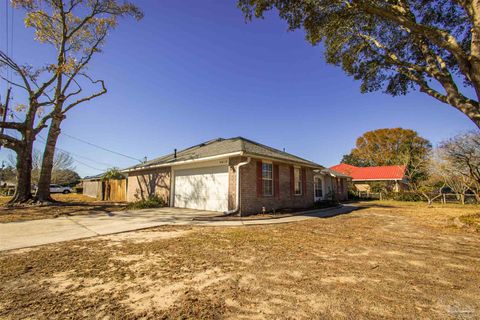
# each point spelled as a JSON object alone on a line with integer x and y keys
{"x": 393, "y": 176}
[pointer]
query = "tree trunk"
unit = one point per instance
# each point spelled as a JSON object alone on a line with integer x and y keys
{"x": 477, "y": 197}
{"x": 475, "y": 58}
{"x": 23, "y": 191}
{"x": 43, "y": 193}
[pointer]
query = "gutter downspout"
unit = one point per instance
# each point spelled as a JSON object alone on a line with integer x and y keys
{"x": 237, "y": 168}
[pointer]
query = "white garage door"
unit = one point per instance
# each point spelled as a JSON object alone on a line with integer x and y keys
{"x": 202, "y": 188}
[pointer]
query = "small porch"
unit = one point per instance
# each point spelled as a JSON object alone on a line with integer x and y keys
{"x": 329, "y": 185}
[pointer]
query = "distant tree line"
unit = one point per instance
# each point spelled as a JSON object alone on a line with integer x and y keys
{"x": 63, "y": 171}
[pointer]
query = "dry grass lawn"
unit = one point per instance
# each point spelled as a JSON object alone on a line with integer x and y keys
{"x": 69, "y": 204}
{"x": 388, "y": 260}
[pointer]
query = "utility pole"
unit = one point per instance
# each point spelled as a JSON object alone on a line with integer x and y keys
{"x": 2, "y": 174}
{"x": 5, "y": 111}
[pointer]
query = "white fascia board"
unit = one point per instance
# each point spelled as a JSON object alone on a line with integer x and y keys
{"x": 220, "y": 156}
{"x": 300, "y": 164}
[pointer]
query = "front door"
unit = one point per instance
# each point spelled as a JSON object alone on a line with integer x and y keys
{"x": 318, "y": 188}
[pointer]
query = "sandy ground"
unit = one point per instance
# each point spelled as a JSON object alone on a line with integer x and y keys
{"x": 388, "y": 260}
{"x": 69, "y": 205}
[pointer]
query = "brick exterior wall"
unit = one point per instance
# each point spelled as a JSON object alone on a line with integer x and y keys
{"x": 250, "y": 203}
{"x": 144, "y": 184}
{"x": 341, "y": 190}
{"x": 232, "y": 181}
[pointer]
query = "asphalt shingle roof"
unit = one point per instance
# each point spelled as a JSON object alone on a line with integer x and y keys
{"x": 224, "y": 146}
{"x": 371, "y": 173}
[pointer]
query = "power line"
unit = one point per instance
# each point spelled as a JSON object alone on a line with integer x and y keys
{"x": 86, "y": 158}
{"x": 72, "y": 137}
{"x": 102, "y": 148}
{"x": 76, "y": 160}
{"x": 11, "y": 30}
{"x": 87, "y": 165}
{"x": 78, "y": 155}
{"x": 6, "y": 39}
{"x": 11, "y": 37}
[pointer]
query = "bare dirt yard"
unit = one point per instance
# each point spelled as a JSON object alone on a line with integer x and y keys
{"x": 387, "y": 260}
{"x": 68, "y": 204}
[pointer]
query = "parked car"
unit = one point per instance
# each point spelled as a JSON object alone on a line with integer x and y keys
{"x": 55, "y": 188}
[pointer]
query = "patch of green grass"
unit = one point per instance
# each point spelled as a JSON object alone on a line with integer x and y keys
{"x": 152, "y": 202}
{"x": 472, "y": 220}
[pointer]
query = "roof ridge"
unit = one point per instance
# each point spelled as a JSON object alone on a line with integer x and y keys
{"x": 270, "y": 148}
{"x": 389, "y": 166}
{"x": 183, "y": 150}
{"x": 349, "y": 165}
{"x": 203, "y": 144}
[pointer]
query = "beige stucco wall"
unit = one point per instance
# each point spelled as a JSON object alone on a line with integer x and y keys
{"x": 391, "y": 185}
{"x": 144, "y": 184}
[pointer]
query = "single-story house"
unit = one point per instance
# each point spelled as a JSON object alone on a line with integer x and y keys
{"x": 234, "y": 175}
{"x": 393, "y": 176}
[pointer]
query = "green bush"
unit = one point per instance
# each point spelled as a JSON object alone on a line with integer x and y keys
{"x": 352, "y": 195}
{"x": 377, "y": 187}
{"x": 151, "y": 202}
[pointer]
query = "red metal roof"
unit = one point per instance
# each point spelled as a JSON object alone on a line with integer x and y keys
{"x": 371, "y": 173}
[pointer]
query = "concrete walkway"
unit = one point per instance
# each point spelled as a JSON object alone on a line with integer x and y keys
{"x": 16, "y": 235}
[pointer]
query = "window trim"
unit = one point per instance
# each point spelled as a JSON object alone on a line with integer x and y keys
{"x": 300, "y": 181}
{"x": 266, "y": 179}
{"x": 318, "y": 186}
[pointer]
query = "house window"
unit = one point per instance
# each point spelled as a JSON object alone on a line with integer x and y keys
{"x": 267, "y": 179}
{"x": 318, "y": 188}
{"x": 297, "y": 179}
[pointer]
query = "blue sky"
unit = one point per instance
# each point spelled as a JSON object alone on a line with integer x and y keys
{"x": 193, "y": 70}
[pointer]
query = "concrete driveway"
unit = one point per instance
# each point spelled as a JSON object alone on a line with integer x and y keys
{"x": 16, "y": 235}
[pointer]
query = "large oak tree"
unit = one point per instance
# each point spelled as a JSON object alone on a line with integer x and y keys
{"x": 392, "y": 146}
{"x": 77, "y": 30}
{"x": 394, "y": 45}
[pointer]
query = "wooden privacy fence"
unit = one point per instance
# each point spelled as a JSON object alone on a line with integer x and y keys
{"x": 112, "y": 190}
{"x": 443, "y": 198}
{"x": 458, "y": 198}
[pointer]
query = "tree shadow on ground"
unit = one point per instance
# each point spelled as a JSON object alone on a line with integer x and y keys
{"x": 58, "y": 209}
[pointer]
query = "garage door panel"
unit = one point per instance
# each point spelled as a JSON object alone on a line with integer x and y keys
{"x": 202, "y": 188}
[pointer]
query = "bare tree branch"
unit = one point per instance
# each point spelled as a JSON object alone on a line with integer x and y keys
{"x": 102, "y": 92}
{"x": 12, "y": 125}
